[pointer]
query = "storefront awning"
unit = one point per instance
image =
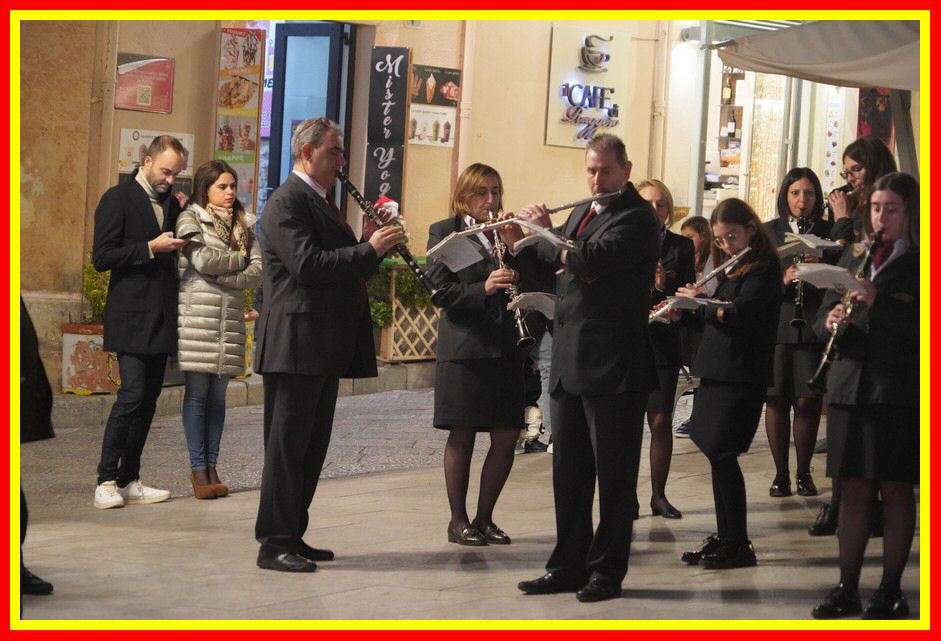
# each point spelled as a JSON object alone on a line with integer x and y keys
{"x": 849, "y": 53}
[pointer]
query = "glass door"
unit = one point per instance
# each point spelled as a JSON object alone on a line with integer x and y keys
{"x": 309, "y": 76}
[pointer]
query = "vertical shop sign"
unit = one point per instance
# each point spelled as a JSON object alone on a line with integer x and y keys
{"x": 385, "y": 136}
{"x": 238, "y": 107}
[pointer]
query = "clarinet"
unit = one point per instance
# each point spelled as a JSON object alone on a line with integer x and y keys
{"x": 798, "y": 321}
{"x": 401, "y": 248}
{"x": 525, "y": 339}
{"x": 818, "y": 383}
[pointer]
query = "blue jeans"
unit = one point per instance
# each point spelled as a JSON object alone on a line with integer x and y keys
{"x": 203, "y": 417}
{"x": 544, "y": 363}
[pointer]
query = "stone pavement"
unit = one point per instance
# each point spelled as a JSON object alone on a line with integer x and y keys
{"x": 383, "y": 509}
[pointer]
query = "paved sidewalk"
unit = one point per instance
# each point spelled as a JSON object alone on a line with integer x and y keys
{"x": 382, "y": 508}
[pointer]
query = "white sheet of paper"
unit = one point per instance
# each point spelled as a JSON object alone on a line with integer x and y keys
{"x": 827, "y": 276}
{"x": 456, "y": 252}
{"x": 795, "y": 247}
{"x": 812, "y": 240}
{"x": 685, "y": 302}
{"x": 538, "y": 301}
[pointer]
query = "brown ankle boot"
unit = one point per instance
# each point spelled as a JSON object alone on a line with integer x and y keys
{"x": 218, "y": 487}
{"x": 202, "y": 489}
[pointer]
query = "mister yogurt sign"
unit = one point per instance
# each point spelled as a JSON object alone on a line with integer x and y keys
{"x": 385, "y": 136}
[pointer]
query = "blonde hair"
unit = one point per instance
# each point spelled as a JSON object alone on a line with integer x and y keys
{"x": 467, "y": 185}
{"x": 664, "y": 191}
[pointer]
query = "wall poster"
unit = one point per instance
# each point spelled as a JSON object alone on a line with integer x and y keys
{"x": 144, "y": 83}
{"x": 875, "y": 116}
{"x": 435, "y": 93}
{"x": 238, "y": 113}
{"x": 385, "y": 137}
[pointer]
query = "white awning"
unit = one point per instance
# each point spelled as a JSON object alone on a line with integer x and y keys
{"x": 849, "y": 53}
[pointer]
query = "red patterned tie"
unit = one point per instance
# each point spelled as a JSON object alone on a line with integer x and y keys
{"x": 882, "y": 254}
{"x": 584, "y": 223}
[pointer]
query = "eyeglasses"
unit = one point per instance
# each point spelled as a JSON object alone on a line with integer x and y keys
{"x": 728, "y": 239}
{"x": 854, "y": 171}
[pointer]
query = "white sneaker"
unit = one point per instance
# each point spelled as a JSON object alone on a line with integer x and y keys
{"x": 107, "y": 495}
{"x": 136, "y": 493}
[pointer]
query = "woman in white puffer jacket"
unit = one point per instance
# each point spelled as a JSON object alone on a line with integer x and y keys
{"x": 221, "y": 260}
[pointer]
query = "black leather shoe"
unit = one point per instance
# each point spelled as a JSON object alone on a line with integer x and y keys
{"x": 666, "y": 510}
{"x": 805, "y": 485}
{"x": 826, "y": 523}
{"x": 730, "y": 555}
{"x": 467, "y": 536}
{"x": 32, "y": 584}
{"x": 313, "y": 554}
{"x": 886, "y": 604}
{"x": 781, "y": 486}
{"x": 598, "y": 589}
{"x": 493, "y": 535}
{"x": 281, "y": 560}
{"x": 709, "y": 545}
{"x": 548, "y": 583}
{"x": 534, "y": 445}
{"x": 841, "y": 602}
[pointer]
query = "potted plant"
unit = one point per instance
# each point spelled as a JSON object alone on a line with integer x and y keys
{"x": 402, "y": 313}
{"x": 86, "y": 367}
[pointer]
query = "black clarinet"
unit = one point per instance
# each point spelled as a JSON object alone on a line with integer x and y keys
{"x": 818, "y": 383}
{"x": 828, "y": 211}
{"x": 798, "y": 321}
{"x": 401, "y": 248}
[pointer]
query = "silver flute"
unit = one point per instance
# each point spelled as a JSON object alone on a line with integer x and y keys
{"x": 660, "y": 312}
{"x": 524, "y": 338}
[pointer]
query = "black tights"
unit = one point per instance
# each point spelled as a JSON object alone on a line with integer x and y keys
{"x": 898, "y": 508}
{"x": 778, "y": 427}
{"x": 496, "y": 469}
{"x": 728, "y": 488}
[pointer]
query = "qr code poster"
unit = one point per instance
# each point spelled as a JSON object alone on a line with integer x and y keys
{"x": 144, "y": 83}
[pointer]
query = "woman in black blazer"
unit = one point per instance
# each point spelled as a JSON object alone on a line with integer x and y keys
{"x": 873, "y": 400}
{"x": 734, "y": 363}
{"x": 676, "y": 267}
{"x": 865, "y": 160}
{"x": 797, "y": 352}
{"x": 479, "y": 372}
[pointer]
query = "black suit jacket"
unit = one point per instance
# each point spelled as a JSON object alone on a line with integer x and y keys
{"x": 601, "y": 343}
{"x": 140, "y": 316}
{"x": 740, "y": 348}
{"x": 472, "y": 324}
{"x": 315, "y": 320}
{"x": 878, "y": 355}
{"x": 679, "y": 261}
{"x": 812, "y": 296}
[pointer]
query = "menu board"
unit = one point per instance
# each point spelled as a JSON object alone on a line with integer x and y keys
{"x": 238, "y": 112}
{"x": 144, "y": 83}
{"x": 435, "y": 93}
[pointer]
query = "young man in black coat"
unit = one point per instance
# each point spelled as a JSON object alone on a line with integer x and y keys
{"x": 134, "y": 240}
{"x": 602, "y": 372}
{"x": 314, "y": 329}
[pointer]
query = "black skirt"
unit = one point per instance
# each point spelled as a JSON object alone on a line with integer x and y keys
{"x": 663, "y": 399}
{"x": 876, "y": 442}
{"x": 479, "y": 393}
{"x": 725, "y": 417}
{"x": 794, "y": 365}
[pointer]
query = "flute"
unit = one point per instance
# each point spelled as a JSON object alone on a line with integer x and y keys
{"x": 583, "y": 201}
{"x": 658, "y": 314}
{"x": 401, "y": 248}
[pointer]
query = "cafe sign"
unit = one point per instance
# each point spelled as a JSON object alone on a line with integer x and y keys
{"x": 588, "y": 82}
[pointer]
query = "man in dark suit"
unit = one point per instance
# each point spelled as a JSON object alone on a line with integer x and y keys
{"x": 314, "y": 329}
{"x": 134, "y": 239}
{"x": 602, "y": 371}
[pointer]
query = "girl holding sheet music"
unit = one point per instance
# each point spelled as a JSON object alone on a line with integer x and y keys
{"x": 797, "y": 349}
{"x": 734, "y": 363}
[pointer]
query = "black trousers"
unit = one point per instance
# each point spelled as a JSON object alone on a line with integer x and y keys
{"x": 131, "y": 415}
{"x": 595, "y": 436}
{"x": 298, "y": 422}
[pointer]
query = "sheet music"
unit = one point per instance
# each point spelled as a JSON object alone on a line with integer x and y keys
{"x": 827, "y": 276}
{"x": 539, "y": 301}
{"x": 455, "y": 251}
{"x": 805, "y": 244}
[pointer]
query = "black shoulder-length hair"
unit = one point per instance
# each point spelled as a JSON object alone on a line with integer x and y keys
{"x": 792, "y": 177}
{"x": 207, "y": 174}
